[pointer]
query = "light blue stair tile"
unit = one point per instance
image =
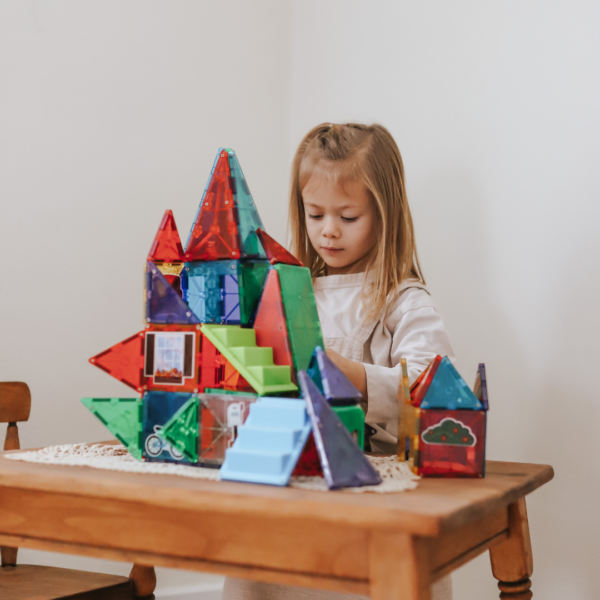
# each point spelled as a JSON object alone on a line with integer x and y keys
{"x": 269, "y": 443}
{"x": 280, "y": 440}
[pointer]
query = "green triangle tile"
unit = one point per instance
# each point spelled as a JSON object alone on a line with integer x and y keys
{"x": 251, "y": 281}
{"x": 181, "y": 431}
{"x": 302, "y": 318}
{"x": 122, "y": 417}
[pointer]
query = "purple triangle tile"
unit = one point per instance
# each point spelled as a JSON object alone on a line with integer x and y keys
{"x": 343, "y": 462}
{"x": 336, "y": 386}
{"x": 483, "y": 397}
{"x": 163, "y": 304}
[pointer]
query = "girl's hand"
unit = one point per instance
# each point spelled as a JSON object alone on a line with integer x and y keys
{"x": 353, "y": 370}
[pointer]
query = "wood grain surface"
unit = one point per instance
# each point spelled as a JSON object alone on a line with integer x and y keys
{"x": 435, "y": 506}
{"x": 389, "y": 545}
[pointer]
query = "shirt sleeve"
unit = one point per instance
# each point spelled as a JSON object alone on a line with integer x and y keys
{"x": 418, "y": 335}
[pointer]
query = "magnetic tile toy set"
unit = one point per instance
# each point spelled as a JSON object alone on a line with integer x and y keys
{"x": 442, "y": 423}
{"x": 231, "y": 372}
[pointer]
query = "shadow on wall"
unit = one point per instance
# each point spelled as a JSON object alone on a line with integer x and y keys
{"x": 566, "y": 417}
{"x": 456, "y": 257}
{"x": 543, "y": 401}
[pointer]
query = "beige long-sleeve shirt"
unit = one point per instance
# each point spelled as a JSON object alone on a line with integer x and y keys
{"x": 412, "y": 329}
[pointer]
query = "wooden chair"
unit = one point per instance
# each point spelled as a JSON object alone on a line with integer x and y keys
{"x": 30, "y": 582}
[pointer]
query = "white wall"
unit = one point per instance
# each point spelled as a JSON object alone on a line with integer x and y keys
{"x": 110, "y": 113}
{"x": 495, "y": 108}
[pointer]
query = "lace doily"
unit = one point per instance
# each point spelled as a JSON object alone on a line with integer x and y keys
{"x": 397, "y": 477}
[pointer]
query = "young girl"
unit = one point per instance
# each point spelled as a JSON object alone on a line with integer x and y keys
{"x": 351, "y": 225}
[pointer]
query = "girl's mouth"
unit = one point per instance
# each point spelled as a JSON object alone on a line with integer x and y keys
{"x": 331, "y": 250}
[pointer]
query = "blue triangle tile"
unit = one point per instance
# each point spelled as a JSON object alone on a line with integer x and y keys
{"x": 449, "y": 390}
{"x": 335, "y": 385}
{"x": 248, "y": 219}
{"x": 343, "y": 463}
{"x": 163, "y": 304}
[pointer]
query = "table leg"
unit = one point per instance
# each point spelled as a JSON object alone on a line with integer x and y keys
{"x": 144, "y": 581}
{"x": 398, "y": 567}
{"x": 512, "y": 559}
{"x": 9, "y": 556}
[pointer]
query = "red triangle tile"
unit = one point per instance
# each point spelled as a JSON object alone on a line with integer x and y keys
{"x": 214, "y": 234}
{"x": 270, "y": 326}
{"x": 421, "y": 385}
{"x": 167, "y": 245}
{"x": 276, "y": 253}
{"x": 124, "y": 361}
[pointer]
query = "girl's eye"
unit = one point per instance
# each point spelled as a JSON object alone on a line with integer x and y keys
{"x": 349, "y": 219}
{"x": 315, "y": 217}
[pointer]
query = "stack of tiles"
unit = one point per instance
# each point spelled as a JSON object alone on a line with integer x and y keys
{"x": 443, "y": 425}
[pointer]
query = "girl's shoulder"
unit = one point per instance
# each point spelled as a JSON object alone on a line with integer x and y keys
{"x": 409, "y": 296}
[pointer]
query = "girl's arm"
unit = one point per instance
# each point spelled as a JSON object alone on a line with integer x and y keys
{"x": 417, "y": 334}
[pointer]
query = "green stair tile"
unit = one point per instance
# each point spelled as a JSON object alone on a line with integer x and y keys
{"x": 254, "y": 357}
{"x": 272, "y": 375}
{"x": 255, "y": 364}
{"x": 233, "y": 335}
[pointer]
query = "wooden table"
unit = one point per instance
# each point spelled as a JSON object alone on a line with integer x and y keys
{"x": 391, "y": 546}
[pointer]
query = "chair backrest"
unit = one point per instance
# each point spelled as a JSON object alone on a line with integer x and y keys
{"x": 15, "y": 402}
{"x": 15, "y": 406}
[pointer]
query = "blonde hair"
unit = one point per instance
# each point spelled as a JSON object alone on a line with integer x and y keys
{"x": 367, "y": 153}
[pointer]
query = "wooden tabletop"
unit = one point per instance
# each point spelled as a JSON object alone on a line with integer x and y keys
{"x": 436, "y": 505}
{"x": 171, "y": 519}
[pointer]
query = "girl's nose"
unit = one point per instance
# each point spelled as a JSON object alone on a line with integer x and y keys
{"x": 330, "y": 228}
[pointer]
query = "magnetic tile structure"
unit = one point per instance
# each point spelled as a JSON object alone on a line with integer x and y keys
{"x": 230, "y": 371}
{"x": 230, "y": 327}
{"x": 442, "y": 427}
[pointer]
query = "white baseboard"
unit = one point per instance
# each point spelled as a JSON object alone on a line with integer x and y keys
{"x": 211, "y": 591}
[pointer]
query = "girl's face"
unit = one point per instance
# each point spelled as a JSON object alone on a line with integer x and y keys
{"x": 340, "y": 219}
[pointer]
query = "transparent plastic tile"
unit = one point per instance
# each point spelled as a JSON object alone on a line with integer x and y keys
{"x": 214, "y": 234}
{"x": 337, "y": 388}
{"x": 421, "y": 385}
{"x": 452, "y": 443}
{"x": 304, "y": 327}
{"x": 163, "y": 304}
{"x": 124, "y": 361}
{"x": 480, "y": 387}
{"x": 181, "y": 431}
{"x": 122, "y": 417}
{"x": 276, "y": 253}
{"x": 248, "y": 219}
{"x": 449, "y": 390}
{"x": 220, "y": 416}
{"x": 252, "y": 276}
{"x": 157, "y": 409}
{"x": 167, "y": 245}
{"x": 342, "y": 461}
{"x": 270, "y": 325}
